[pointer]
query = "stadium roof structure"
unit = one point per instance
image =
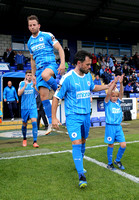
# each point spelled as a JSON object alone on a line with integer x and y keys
{"x": 109, "y": 19}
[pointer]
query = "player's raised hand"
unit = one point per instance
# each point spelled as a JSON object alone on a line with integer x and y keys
{"x": 121, "y": 78}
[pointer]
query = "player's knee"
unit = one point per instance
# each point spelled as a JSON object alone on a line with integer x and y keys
{"x": 77, "y": 142}
{"x": 123, "y": 144}
{"x": 45, "y": 76}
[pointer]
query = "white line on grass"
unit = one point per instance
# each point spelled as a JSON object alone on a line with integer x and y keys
{"x": 48, "y": 153}
{"x": 132, "y": 178}
{"x": 101, "y": 164}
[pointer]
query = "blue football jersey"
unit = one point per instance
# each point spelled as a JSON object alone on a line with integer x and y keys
{"x": 113, "y": 112}
{"x": 28, "y": 100}
{"x": 76, "y": 90}
{"x": 41, "y": 47}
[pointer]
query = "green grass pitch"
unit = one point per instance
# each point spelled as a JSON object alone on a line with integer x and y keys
{"x": 53, "y": 176}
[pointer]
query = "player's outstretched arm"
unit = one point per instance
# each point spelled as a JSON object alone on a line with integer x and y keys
{"x": 55, "y": 121}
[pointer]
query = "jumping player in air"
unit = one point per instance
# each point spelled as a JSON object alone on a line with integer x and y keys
{"x": 43, "y": 62}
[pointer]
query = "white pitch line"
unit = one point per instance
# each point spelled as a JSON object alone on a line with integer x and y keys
{"x": 48, "y": 153}
{"x": 132, "y": 178}
{"x": 38, "y": 154}
{"x": 105, "y": 145}
{"x": 126, "y": 175}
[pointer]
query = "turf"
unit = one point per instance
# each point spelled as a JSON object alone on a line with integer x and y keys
{"x": 54, "y": 176}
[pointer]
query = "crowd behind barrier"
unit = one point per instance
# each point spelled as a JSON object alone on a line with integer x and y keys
{"x": 104, "y": 68}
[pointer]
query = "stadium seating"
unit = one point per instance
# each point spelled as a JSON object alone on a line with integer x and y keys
{"x": 102, "y": 121}
{"x": 95, "y": 121}
{"x": 132, "y": 95}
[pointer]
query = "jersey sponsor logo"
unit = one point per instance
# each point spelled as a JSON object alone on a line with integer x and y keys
{"x": 109, "y": 139}
{"x": 83, "y": 94}
{"x": 74, "y": 135}
{"x": 38, "y": 47}
{"x": 116, "y": 110}
{"x": 28, "y": 92}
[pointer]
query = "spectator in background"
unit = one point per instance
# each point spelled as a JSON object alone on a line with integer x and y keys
{"x": 124, "y": 59}
{"x": 113, "y": 58}
{"x": 132, "y": 70}
{"x": 117, "y": 70}
{"x": 131, "y": 62}
{"x": 138, "y": 77}
{"x": 137, "y": 63}
{"x": 107, "y": 76}
{"x": 67, "y": 54}
{"x": 134, "y": 78}
{"x": 111, "y": 64}
{"x": 125, "y": 81}
{"x": 97, "y": 80}
{"x": 125, "y": 70}
{"x": 107, "y": 68}
{"x": 103, "y": 63}
{"x": 131, "y": 80}
{"x": 10, "y": 57}
{"x": 5, "y": 55}
{"x": 11, "y": 98}
{"x": 20, "y": 60}
{"x": 136, "y": 87}
{"x": 128, "y": 89}
{"x": 94, "y": 62}
{"x": 102, "y": 70}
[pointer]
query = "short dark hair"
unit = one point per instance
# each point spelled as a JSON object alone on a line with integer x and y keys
{"x": 81, "y": 55}
{"x": 28, "y": 71}
{"x": 33, "y": 17}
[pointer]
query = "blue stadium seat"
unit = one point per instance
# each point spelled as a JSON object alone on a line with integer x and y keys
{"x": 95, "y": 121}
{"x": 95, "y": 93}
{"x": 137, "y": 95}
{"x": 102, "y": 121}
{"x": 131, "y": 95}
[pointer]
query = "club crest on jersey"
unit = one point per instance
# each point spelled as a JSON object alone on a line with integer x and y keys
{"x": 109, "y": 139}
{"x": 74, "y": 135}
{"x": 41, "y": 39}
{"x": 88, "y": 83}
{"x": 53, "y": 38}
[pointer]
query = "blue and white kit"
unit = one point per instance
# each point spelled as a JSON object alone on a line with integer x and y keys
{"x": 41, "y": 47}
{"x": 113, "y": 129}
{"x": 76, "y": 92}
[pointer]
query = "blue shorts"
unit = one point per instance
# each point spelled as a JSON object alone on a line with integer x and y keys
{"x": 39, "y": 79}
{"x": 113, "y": 133}
{"x": 78, "y": 126}
{"x": 28, "y": 114}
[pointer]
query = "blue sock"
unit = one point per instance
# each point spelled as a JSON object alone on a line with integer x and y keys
{"x": 52, "y": 83}
{"x": 47, "y": 109}
{"x": 77, "y": 157}
{"x": 109, "y": 155}
{"x": 83, "y": 149}
{"x": 120, "y": 154}
{"x": 24, "y": 132}
{"x": 34, "y": 131}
